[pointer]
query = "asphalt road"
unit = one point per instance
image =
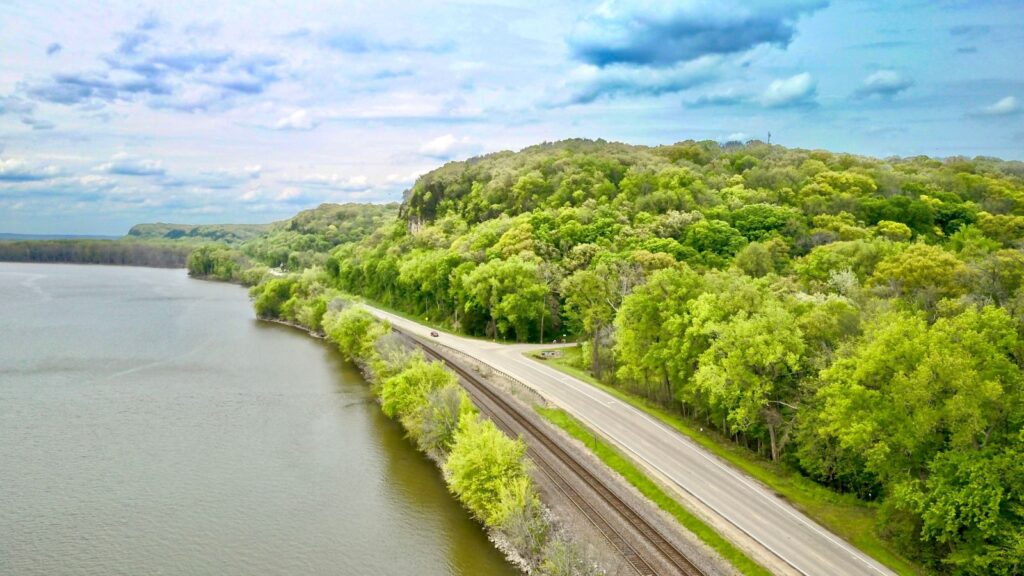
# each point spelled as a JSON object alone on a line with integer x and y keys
{"x": 750, "y": 514}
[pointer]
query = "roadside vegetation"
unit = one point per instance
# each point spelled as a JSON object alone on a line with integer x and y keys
{"x": 615, "y": 460}
{"x": 856, "y": 322}
{"x": 485, "y": 469}
{"x": 845, "y": 514}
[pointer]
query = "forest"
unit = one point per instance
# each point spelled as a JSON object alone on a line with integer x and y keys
{"x": 122, "y": 252}
{"x": 299, "y": 243}
{"x": 855, "y": 319}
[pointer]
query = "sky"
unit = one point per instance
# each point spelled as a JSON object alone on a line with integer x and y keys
{"x": 114, "y": 113}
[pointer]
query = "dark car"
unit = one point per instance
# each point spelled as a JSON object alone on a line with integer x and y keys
{"x": 434, "y": 333}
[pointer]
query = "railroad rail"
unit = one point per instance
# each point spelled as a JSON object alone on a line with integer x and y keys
{"x": 508, "y": 417}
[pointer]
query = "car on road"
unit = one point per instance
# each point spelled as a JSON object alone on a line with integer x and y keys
{"x": 434, "y": 333}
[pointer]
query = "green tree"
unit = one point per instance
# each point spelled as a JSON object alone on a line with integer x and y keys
{"x": 404, "y": 395}
{"x": 750, "y": 370}
{"x": 511, "y": 292}
{"x": 922, "y": 273}
{"x": 715, "y": 239}
{"x": 644, "y": 335}
{"x": 484, "y": 466}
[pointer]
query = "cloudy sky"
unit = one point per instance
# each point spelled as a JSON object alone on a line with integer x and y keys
{"x": 185, "y": 111}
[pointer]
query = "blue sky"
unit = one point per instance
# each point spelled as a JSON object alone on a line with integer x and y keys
{"x": 115, "y": 113}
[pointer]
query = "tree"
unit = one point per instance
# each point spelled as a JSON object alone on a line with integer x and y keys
{"x": 895, "y": 231}
{"x": 931, "y": 409}
{"x": 404, "y": 395}
{"x": 484, "y": 465}
{"x": 923, "y": 273}
{"x": 715, "y": 239}
{"x": 643, "y": 333}
{"x": 757, "y": 221}
{"x": 750, "y": 370}
{"x": 270, "y": 298}
{"x": 759, "y": 259}
{"x": 592, "y": 297}
{"x": 510, "y": 291}
{"x": 355, "y": 331}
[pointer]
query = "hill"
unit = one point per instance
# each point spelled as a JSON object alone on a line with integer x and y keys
{"x": 226, "y": 233}
{"x": 854, "y": 320}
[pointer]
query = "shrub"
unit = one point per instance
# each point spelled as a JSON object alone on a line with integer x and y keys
{"x": 482, "y": 467}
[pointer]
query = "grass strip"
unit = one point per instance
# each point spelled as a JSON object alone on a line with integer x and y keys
{"x": 618, "y": 462}
{"x": 844, "y": 514}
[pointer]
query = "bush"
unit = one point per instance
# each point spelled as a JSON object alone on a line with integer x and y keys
{"x": 271, "y": 297}
{"x": 404, "y": 395}
{"x": 484, "y": 467}
{"x": 440, "y": 417}
{"x": 355, "y": 331}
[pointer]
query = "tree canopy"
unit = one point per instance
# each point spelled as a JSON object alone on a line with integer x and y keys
{"x": 857, "y": 320}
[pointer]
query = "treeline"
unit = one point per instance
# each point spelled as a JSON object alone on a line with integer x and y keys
{"x": 199, "y": 233}
{"x": 858, "y": 320}
{"x": 115, "y": 252}
{"x": 306, "y": 239}
{"x": 485, "y": 469}
{"x": 301, "y": 242}
{"x": 218, "y": 262}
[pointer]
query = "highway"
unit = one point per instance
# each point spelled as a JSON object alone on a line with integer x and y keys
{"x": 746, "y": 512}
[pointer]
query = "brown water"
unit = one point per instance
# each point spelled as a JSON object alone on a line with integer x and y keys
{"x": 150, "y": 425}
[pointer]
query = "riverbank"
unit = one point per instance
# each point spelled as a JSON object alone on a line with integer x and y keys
{"x": 484, "y": 469}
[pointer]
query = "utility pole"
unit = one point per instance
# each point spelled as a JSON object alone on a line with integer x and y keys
{"x": 769, "y": 137}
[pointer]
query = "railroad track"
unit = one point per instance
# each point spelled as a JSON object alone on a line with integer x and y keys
{"x": 509, "y": 417}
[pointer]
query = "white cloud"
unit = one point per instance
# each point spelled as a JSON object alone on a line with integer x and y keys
{"x": 17, "y": 170}
{"x": 127, "y": 165}
{"x": 885, "y": 84}
{"x": 449, "y": 146}
{"x": 1004, "y": 107}
{"x": 589, "y": 82}
{"x": 300, "y": 119}
{"x": 16, "y": 105}
{"x": 288, "y": 193}
{"x": 403, "y": 179}
{"x": 798, "y": 90}
{"x": 96, "y": 181}
{"x": 664, "y": 32}
{"x": 333, "y": 181}
{"x": 735, "y": 137}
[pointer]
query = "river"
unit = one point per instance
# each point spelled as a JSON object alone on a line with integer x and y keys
{"x": 150, "y": 425}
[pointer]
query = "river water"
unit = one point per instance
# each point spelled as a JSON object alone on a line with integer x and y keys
{"x": 150, "y": 425}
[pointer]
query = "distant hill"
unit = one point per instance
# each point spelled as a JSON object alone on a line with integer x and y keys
{"x": 226, "y": 233}
{"x": 296, "y": 243}
{"x": 306, "y": 238}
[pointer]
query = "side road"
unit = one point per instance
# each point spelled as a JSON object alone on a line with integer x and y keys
{"x": 746, "y": 512}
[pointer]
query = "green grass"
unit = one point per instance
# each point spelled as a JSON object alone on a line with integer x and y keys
{"x": 843, "y": 514}
{"x": 616, "y": 461}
